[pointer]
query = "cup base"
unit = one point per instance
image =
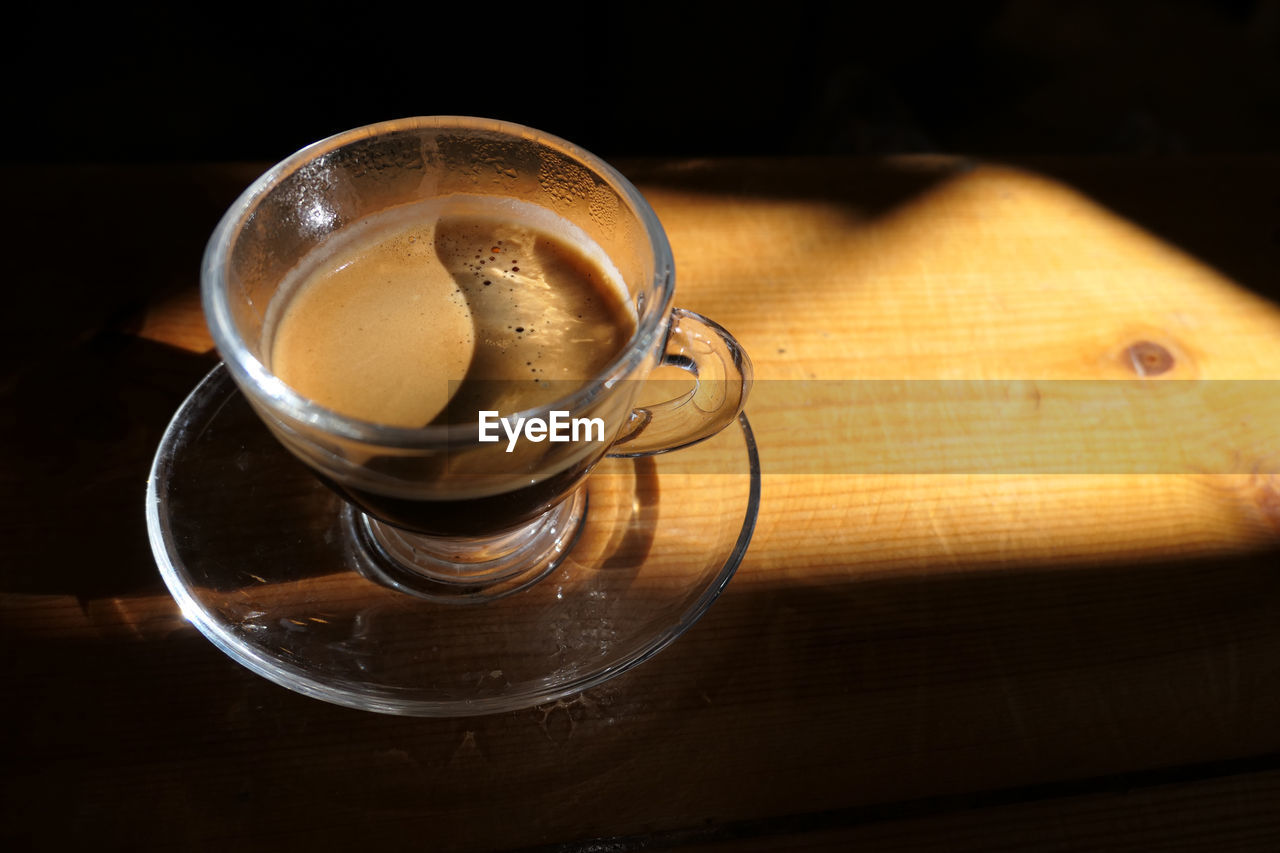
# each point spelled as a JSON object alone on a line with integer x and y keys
{"x": 466, "y": 570}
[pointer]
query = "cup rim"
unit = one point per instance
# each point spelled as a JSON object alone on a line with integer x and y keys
{"x": 250, "y": 372}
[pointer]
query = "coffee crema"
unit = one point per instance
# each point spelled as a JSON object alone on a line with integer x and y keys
{"x": 429, "y": 313}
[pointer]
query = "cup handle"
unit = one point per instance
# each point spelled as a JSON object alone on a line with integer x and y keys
{"x": 723, "y": 375}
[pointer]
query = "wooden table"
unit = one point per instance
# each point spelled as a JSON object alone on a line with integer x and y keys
{"x": 919, "y": 659}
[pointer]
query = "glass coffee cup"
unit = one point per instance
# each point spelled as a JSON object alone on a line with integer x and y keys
{"x": 488, "y": 500}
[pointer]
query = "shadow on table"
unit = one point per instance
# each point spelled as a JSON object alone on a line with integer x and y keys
{"x": 77, "y": 436}
{"x": 1223, "y": 210}
{"x": 789, "y": 707}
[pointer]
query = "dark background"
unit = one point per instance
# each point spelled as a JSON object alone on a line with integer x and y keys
{"x": 1011, "y": 78}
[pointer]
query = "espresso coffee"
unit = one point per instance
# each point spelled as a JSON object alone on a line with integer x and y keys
{"x": 432, "y": 313}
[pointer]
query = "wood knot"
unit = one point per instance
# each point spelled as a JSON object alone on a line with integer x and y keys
{"x": 1148, "y": 358}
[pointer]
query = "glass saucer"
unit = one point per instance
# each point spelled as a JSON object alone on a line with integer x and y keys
{"x": 266, "y": 562}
